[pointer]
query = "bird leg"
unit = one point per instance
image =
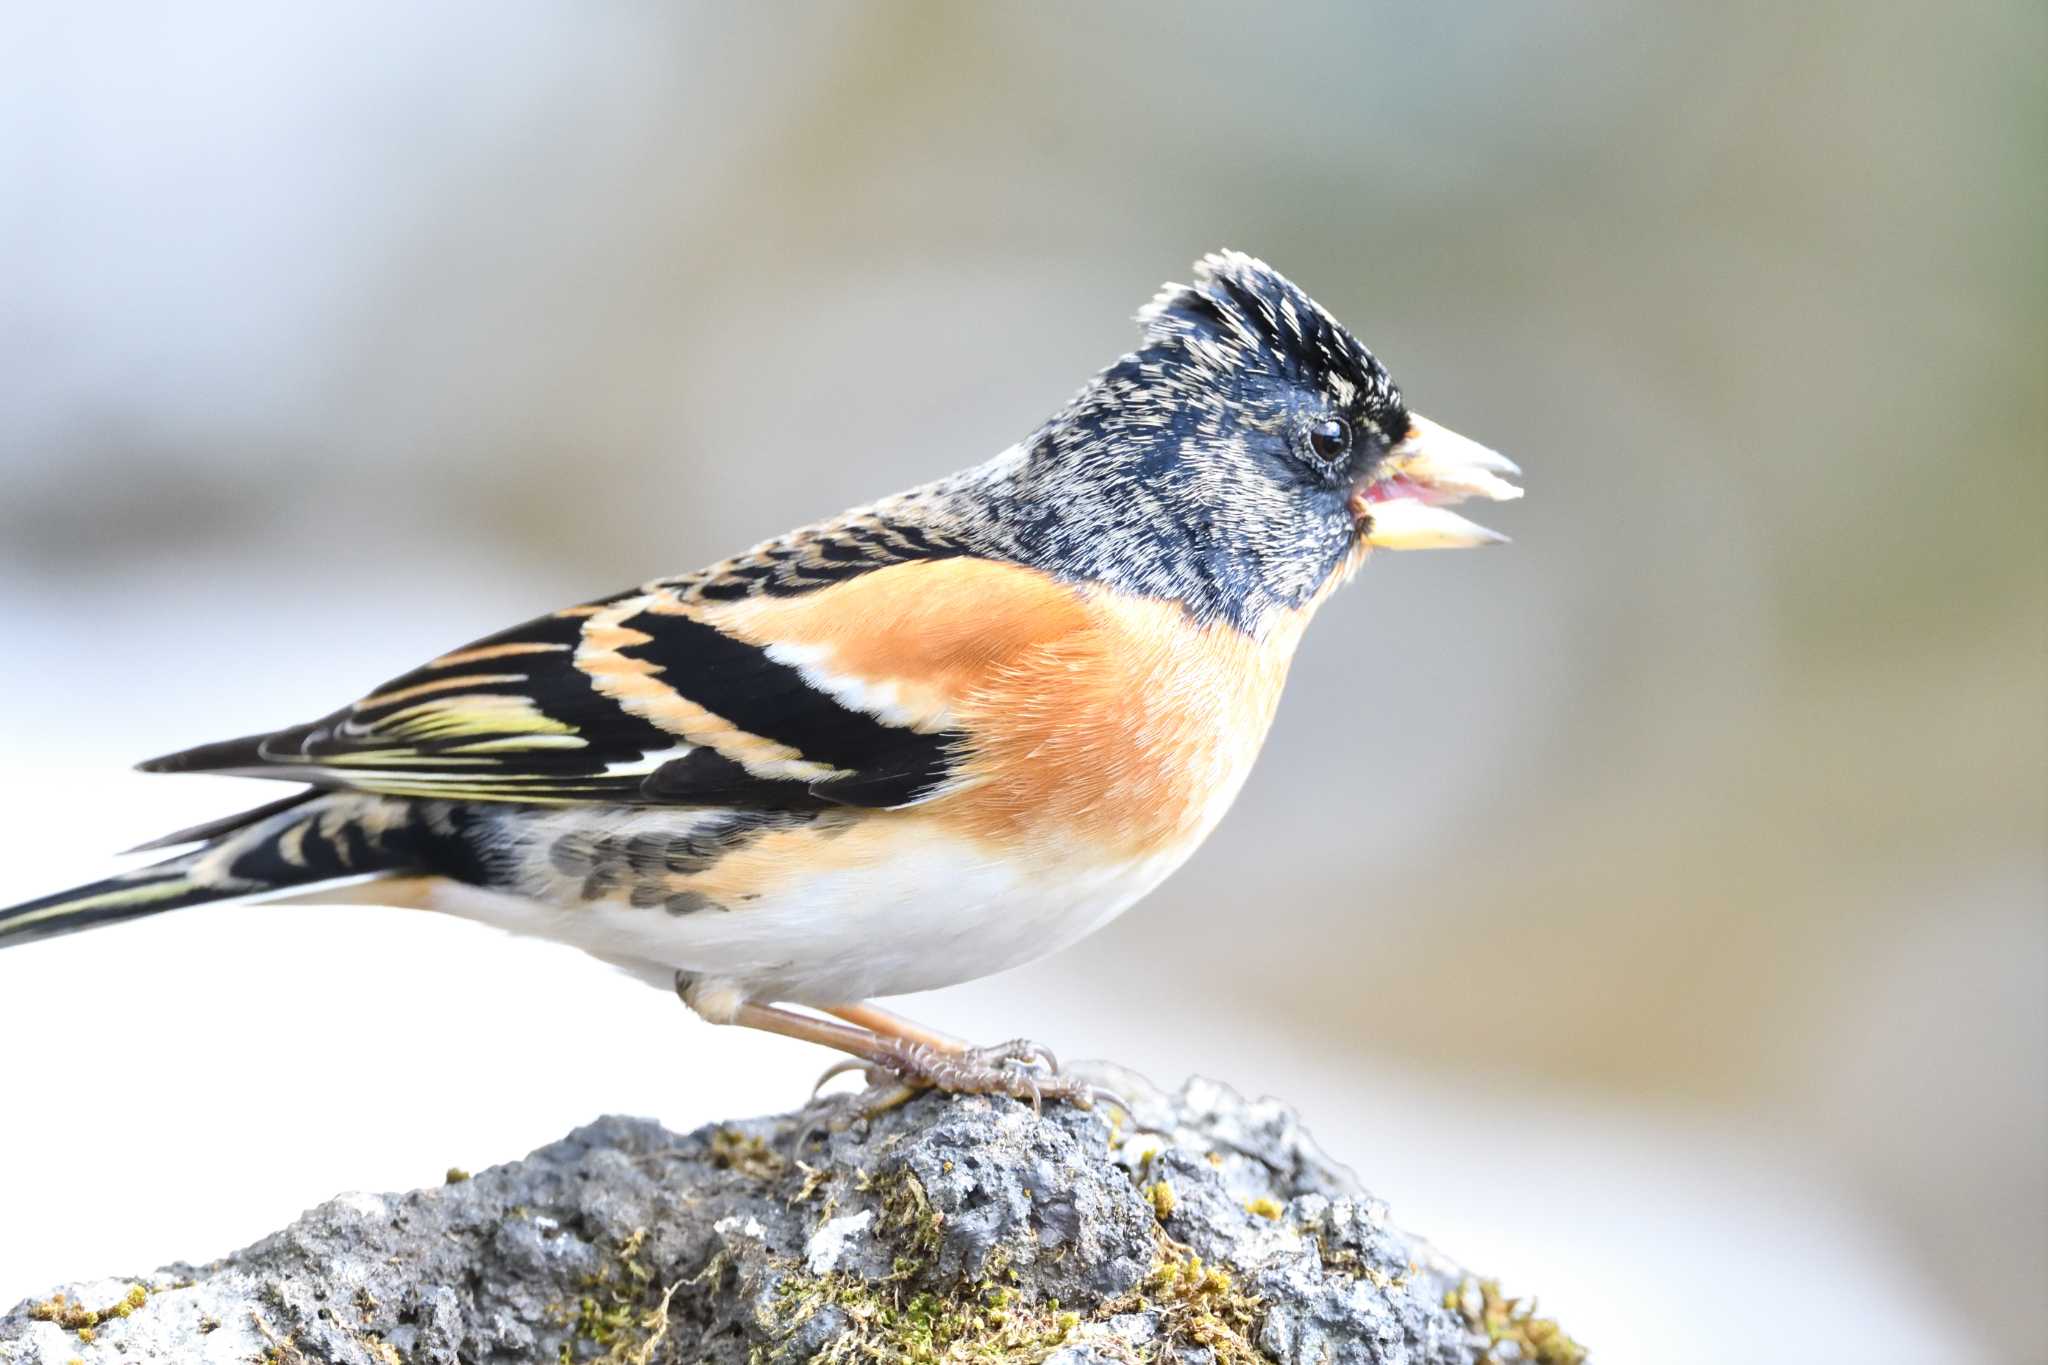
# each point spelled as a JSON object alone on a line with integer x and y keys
{"x": 875, "y": 1019}
{"x": 903, "y": 1059}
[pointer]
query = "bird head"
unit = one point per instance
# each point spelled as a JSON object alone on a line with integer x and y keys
{"x": 1247, "y": 455}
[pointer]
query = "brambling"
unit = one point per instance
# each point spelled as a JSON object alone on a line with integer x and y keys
{"x": 932, "y": 738}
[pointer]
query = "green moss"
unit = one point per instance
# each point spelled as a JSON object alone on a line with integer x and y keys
{"x": 1202, "y": 1305}
{"x": 1163, "y": 1201}
{"x": 733, "y": 1150}
{"x": 815, "y": 1178}
{"x": 603, "y": 1320}
{"x": 455, "y": 1176}
{"x": 76, "y": 1317}
{"x": 619, "y": 1312}
{"x": 891, "y": 1323}
{"x": 1514, "y": 1322}
{"x": 908, "y": 1215}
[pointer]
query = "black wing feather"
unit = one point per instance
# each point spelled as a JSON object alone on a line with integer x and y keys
{"x": 513, "y": 717}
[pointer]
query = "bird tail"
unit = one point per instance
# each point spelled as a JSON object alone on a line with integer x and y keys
{"x": 295, "y": 844}
{"x": 167, "y": 886}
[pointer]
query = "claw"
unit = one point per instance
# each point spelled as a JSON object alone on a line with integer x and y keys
{"x": 1021, "y": 1052}
{"x": 1018, "y": 1052}
{"x": 872, "y": 1104}
{"x": 831, "y": 1113}
{"x": 838, "y": 1069}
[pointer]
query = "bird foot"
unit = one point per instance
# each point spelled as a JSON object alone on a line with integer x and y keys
{"x": 1020, "y": 1069}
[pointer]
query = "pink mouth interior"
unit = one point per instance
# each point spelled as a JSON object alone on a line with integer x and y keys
{"x": 1397, "y": 486}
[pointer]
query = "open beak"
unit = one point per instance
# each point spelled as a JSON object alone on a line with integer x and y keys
{"x": 1405, "y": 504}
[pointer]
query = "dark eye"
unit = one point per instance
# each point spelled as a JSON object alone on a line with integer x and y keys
{"x": 1330, "y": 437}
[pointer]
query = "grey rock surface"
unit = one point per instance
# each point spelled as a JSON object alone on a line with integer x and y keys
{"x": 1203, "y": 1228}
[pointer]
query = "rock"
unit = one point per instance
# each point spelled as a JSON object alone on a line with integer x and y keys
{"x": 1203, "y": 1229}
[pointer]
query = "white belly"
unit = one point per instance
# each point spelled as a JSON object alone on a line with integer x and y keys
{"x": 932, "y": 911}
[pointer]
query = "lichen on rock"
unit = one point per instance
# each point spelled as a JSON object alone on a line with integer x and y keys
{"x": 1200, "y": 1228}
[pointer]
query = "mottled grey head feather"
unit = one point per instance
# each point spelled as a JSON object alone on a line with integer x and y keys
{"x": 1183, "y": 471}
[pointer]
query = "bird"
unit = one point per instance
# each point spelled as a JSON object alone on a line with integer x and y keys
{"x": 927, "y": 740}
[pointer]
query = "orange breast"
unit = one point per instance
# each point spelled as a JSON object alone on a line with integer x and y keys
{"x": 1129, "y": 736}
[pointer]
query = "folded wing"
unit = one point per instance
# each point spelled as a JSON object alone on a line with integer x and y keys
{"x": 839, "y": 694}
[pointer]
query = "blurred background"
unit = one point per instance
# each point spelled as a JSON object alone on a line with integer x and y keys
{"x": 1654, "y": 912}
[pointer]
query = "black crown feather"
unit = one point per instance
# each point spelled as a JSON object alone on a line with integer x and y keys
{"x": 1251, "y": 317}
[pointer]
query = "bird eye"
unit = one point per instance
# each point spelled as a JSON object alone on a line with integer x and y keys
{"x": 1330, "y": 437}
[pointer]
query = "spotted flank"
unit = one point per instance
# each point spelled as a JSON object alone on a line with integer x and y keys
{"x": 656, "y": 864}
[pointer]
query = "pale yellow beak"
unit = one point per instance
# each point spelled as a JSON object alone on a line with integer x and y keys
{"x": 1405, "y": 505}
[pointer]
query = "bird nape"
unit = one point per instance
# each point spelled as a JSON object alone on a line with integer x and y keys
{"x": 919, "y": 742}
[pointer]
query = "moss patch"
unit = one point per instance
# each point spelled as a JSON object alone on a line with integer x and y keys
{"x": 890, "y": 1323}
{"x": 1203, "y": 1305}
{"x": 733, "y": 1150}
{"x": 907, "y": 1214}
{"x": 74, "y": 1316}
{"x": 622, "y": 1314}
{"x": 1513, "y": 1322}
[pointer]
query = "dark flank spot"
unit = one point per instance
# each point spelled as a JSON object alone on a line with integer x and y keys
{"x": 647, "y": 854}
{"x": 687, "y": 902}
{"x": 573, "y": 854}
{"x": 689, "y": 854}
{"x": 646, "y": 863}
{"x": 726, "y": 590}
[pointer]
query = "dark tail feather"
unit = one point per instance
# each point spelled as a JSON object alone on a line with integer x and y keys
{"x": 279, "y": 847}
{"x": 148, "y": 892}
{"x": 209, "y": 830}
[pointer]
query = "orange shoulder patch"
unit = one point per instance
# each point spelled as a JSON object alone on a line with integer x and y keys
{"x": 910, "y": 642}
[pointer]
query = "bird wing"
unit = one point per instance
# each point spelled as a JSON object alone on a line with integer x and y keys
{"x": 688, "y": 693}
